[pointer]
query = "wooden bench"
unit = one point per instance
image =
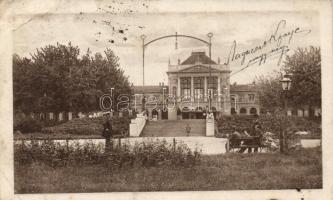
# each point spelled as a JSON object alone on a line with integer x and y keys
{"x": 238, "y": 143}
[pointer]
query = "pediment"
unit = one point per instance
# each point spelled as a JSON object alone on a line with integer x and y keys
{"x": 198, "y": 69}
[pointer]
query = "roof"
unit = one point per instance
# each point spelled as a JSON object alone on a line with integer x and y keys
{"x": 199, "y": 69}
{"x": 198, "y": 57}
{"x": 244, "y": 88}
{"x": 149, "y": 89}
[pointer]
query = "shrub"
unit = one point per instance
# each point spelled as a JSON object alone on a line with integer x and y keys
{"x": 87, "y": 126}
{"x": 144, "y": 154}
{"x": 270, "y": 123}
{"x": 27, "y": 125}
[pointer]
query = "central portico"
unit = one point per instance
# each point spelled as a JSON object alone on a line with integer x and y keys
{"x": 194, "y": 80}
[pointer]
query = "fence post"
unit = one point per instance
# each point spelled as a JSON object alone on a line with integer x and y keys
{"x": 174, "y": 144}
{"x": 119, "y": 142}
{"x": 67, "y": 144}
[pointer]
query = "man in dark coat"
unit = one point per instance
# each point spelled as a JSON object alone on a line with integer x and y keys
{"x": 107, "y": 133}
{"x": 257, "y": 132}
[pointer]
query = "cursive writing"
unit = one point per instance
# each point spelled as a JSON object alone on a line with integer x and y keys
{"x": 276, "y": 44}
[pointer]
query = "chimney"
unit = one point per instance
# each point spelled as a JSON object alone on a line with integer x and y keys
{"x": 159, "y": 84}
{"x": 218, "y": 60}
{"x": 178, "y": 61}
{"x": 235, "y": 83}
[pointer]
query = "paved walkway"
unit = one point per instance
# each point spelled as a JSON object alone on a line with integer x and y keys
{"x": 174, "y": 128}
{"x": 208, "y": 145}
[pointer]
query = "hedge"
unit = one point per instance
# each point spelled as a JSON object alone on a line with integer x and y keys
{"x": 88, "y": 126}
{"x": 269, "y": 123}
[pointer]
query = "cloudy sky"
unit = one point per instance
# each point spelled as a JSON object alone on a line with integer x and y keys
{"x": 118, "y": 25}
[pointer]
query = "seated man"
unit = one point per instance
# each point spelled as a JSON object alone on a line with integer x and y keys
{"x": 247, "y": 142}
{"x": 238, "y": 134}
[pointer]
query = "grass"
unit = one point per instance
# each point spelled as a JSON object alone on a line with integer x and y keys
{"x": 301, "y": 169}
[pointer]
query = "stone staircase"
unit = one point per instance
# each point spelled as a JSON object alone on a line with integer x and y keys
{"x": 174, "y": 128}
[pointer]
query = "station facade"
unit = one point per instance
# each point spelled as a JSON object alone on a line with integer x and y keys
{"x": 198, "y": 84}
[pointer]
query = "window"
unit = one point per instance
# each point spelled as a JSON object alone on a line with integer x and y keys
{"x": 212, "y": 83}
{"x": 198, "y": 87}
{"x": 233, "y": 101}
{"x": 174, "y": 91}
{"x": 253, "y": 111}
{"x": 242, "y": 111}
{"x": 212, "y": 86}
{"x": 185, "y": 86}
{"x": 251, "y": 97}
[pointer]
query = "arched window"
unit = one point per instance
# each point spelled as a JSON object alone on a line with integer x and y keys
{"x": 242, "y": 111}
{"x": 233, "y": 111}
{"x": 253, "y": 111}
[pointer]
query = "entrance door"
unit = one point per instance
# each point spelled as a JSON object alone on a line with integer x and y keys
{"x": 199, "y": 115}
{"x": 185, "y": 115}
{"x": 164, "y": 114}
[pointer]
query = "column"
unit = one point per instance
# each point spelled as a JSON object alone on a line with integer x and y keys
{"x": 51, "y": 117}
{"x": 192, "y": 89}
{"x": 178, "y": 87}
{"x": 218, "y": 89}
{"x": 70, "y": 115}
{"x": 205, "y": 89}
{"x": 60, "y": 116}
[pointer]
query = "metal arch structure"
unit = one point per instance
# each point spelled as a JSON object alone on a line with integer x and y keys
{"x": 144, "y": 45}
{"x": 176, "y": 35}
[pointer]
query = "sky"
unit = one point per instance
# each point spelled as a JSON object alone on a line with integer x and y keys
{"x": 118, "y": 25}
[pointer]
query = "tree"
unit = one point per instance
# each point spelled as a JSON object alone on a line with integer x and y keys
{"x": 304, "y": 68}
{"x": 56, "y": 79}
{"x": 270, "y": 91}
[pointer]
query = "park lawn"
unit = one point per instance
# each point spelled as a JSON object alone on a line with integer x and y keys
{"x": 301, "y": 169}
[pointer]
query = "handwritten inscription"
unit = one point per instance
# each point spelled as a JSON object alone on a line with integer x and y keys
{"x": 275, "y": 46}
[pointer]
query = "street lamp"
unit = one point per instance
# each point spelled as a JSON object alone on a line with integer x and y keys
{"x": 143, "y": 37}
{"x": 285, "y": 83}
{"x": 163, "y": 108}
{"x": 210, "y": 35}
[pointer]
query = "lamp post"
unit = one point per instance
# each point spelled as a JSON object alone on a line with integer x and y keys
{"x": 285, "y": 83}
{"x": 143, "y": 37}
{"x": 210, "y": 35}
{"x": 225, "y": 98}
{"x": 164, "y": 103}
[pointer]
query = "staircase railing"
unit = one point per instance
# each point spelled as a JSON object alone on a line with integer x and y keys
{"x": 136, "y": 126}
{"x": 210, "y": 127}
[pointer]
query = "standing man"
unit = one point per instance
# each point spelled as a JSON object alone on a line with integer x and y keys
{"x": 257, "y": 132}
{"x": 188, "y": 129}
{"x": 107, "y": 133}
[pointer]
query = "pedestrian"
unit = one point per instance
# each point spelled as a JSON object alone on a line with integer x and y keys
{"x": 188, "y": 129}
{"x": 257, "y": 133}
{"x": 107, "y": 133}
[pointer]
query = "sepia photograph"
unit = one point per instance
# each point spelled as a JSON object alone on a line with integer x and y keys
{"x": 152, "y": 96}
